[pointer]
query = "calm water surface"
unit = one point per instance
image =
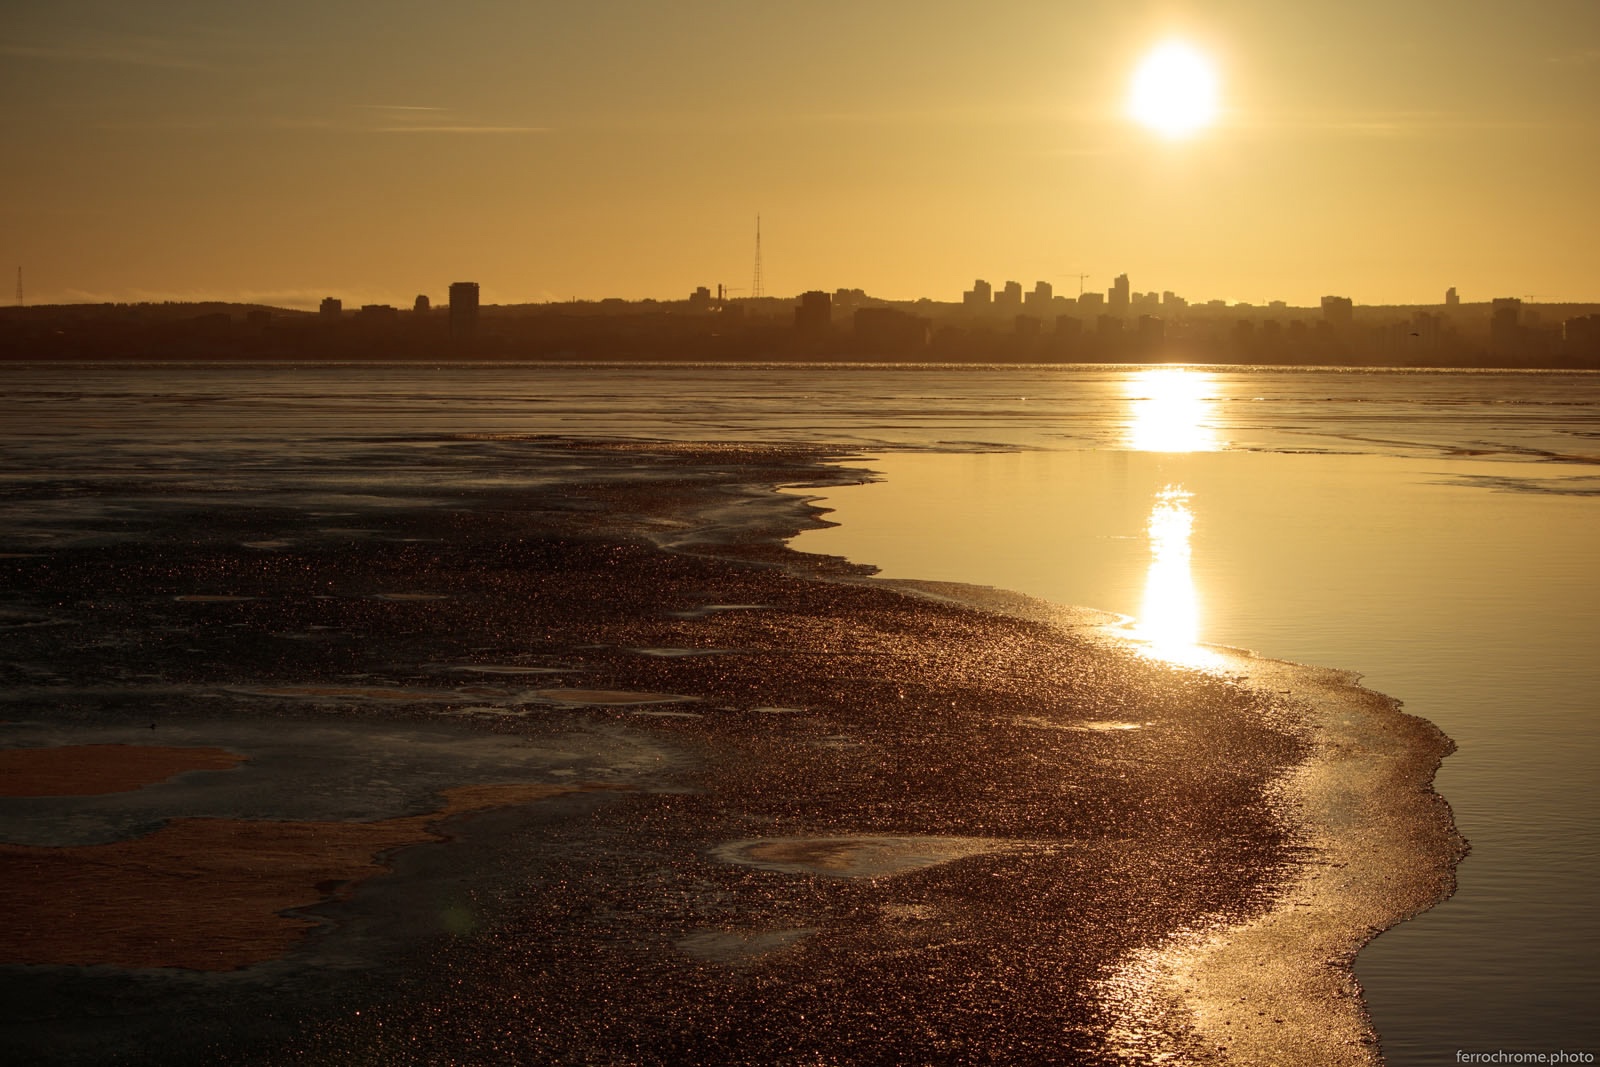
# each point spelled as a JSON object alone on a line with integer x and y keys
{"x": 1436, "y": 532}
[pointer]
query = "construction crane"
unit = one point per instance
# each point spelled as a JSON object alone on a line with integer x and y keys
{"x": 1081, "y": 279}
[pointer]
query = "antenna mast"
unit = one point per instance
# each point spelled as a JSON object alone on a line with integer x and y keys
{"x": 755, "y": 284}
{"x": 19, "y": 287}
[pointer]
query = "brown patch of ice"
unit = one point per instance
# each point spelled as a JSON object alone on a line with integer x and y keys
{"x": 207, "y": 894}
{"x": 95, "y": 770}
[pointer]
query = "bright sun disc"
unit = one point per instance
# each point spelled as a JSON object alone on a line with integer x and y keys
{"x": 1174, "y": 91}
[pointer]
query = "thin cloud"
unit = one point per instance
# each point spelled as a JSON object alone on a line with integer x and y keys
{"x": 424, "y": 118}
{"x": 1582, "y": 58}
{"x": 1386, "y": 125}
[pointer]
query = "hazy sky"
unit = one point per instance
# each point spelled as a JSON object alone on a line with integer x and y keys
{"x": 1381, "y": 149}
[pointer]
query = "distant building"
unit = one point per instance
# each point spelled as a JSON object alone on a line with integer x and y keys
{"x": 890, "y": 331}
{"x": 1091, "y": 300}
{"x": 1338, "y": 310}
{"x": 421, "y": 305}
{"x": 377, "y": 313}
{"x": 1244, "y": 338}
{"x": 1152, "y": 331}
{"x": 1026, "y": 326}
{"x": 977, "y": 298}
{"x": 1039, "y": 299}
{"x": 1451, "y": 300}
{"x": 700, "y": 299}
{"x": 1580, "y": 338}
{"x": 331, "y": 307}
{"x": 1172, "y": 301}
{"x": 814, "y": 316}
{"x": 1505, "y": 325}
{"x": 1271, "y": 337}
{"x": 1117, "y": 295}
{"x": 1425, "y": 330}
{"x": 1010, "y": 298}
{"x": 463, "y": 309}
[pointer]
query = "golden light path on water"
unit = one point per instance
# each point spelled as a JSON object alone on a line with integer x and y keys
{"x": 1169, "y": 614}
{"x": 1172, "y": 411}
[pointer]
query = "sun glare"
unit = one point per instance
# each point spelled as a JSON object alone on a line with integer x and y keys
{"x": 1171, "y": 410}
{"x": 1174, "y": 91}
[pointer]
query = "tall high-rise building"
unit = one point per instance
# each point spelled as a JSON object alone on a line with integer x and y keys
{"x": 977, "y": 298}
{"x": 1451, "y": 300}
{"x": 463, "y": 309}
{"x": 1039, "y": 299}
{"x": 421, "y": 304}
{"x": 1117, "y": 296}
{"x": 1010, "y": 298}
{"x": 331, "y": 307}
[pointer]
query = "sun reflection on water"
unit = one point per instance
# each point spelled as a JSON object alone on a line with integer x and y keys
{"x": 1169, "y": 616}
{"x": 1172, "y": 410}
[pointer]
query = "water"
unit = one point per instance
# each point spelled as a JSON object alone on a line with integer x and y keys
{"x": 1437, "y": 536}
{"x": 1434, "y": 531}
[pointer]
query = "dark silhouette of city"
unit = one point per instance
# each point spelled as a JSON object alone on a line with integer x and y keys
{"x": 1008, "y": 325}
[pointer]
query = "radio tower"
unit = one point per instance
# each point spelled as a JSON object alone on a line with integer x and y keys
{"x": 19, "y": 287}
{"x": 755, "y": 283}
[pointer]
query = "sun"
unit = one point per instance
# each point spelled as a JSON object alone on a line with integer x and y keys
{"x": 1174, "y": 91}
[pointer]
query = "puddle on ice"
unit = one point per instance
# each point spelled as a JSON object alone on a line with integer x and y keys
{"x": 711, "y": 609}
{"x": 674, "y": 653}
{"x": 734, "y": 946}
{"x": 599, "y": 697}
{"x": 852, "y": 857}
{"x": 352, "y": 692}
{"x": 1082, "y": 726}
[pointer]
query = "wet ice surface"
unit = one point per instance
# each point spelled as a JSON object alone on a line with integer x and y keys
{"x": 852, "y": 746}
{"x": 314, "y": 460}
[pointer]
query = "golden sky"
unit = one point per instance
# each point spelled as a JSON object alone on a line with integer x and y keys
{"x": 188, "y": 149}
